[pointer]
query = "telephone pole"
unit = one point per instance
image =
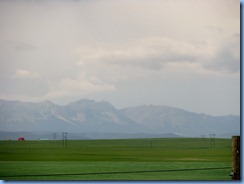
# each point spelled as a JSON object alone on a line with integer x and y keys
{"x": 212, "y": 140}
{"x": 65, "y": 138}
{"x": 54, "y": 136}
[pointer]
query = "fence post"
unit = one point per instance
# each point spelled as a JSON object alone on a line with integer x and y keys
{"x": 235, "y": 157}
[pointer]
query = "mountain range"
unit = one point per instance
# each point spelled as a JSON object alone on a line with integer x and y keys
{"x": 102, "y": 118}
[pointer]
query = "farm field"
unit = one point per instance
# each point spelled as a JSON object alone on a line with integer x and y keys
{"x": 125, "y": 159}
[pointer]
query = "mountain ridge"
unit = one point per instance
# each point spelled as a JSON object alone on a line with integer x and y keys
{"x": 102, "y": 117}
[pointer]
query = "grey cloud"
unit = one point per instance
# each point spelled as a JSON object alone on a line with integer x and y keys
{"x": 155, "y": 62}
{"x": 219, "y": 30}
{"x": 18, "y": 45}
{"x": 156, "y": 53}
{"x": 22, "y": 46}
{"x": 227, "y": 58}
{"x": 225, "y": 61}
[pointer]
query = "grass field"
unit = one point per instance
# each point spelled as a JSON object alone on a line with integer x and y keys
{"x": 116, "y": 159}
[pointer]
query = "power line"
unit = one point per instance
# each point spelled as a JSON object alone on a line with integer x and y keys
{"x": 121, "y": 172}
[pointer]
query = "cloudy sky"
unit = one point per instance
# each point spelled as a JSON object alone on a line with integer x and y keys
{"x": 182, "y": 53}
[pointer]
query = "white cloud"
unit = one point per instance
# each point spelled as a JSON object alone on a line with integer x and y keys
{"x": 143, "y": 53}
{"x": 65, "y": 88}
{"x": 77, "y": 87}
{"x": 25, "y": 74}
{"x": 156, "y": 53}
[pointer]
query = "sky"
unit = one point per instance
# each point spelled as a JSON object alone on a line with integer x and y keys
{"x": 181, "y": 53}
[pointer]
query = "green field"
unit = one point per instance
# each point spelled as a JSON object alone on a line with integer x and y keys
{"x": 126, "y": 159}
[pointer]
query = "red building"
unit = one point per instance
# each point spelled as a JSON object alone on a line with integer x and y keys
{"x": 21, "y": 139}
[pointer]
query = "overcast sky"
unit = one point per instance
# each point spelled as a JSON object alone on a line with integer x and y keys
{"x": 182, "y": 53}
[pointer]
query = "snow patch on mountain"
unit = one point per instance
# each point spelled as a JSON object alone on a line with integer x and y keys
{"x": 100, "y": 117}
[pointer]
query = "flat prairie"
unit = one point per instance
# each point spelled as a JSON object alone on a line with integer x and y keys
{"x": 122, "y": 159}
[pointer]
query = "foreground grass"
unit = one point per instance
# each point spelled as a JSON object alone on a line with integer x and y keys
{"x": 42, "y": 168}
{"x": 94, "y": 156}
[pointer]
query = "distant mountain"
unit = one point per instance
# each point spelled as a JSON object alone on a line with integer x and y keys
{"x": 102, "y": 118}
{"x": 80, "y": 116}
{"x": 162, "y": 119}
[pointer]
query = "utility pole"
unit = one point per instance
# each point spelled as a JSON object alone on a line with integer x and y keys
{"x": 235, "y": 158}
{"x": 203, "y": 139}
{"x": 65, "y": 138}
{"x": 212, "y": 140}
{"x": 54, "y": 136}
